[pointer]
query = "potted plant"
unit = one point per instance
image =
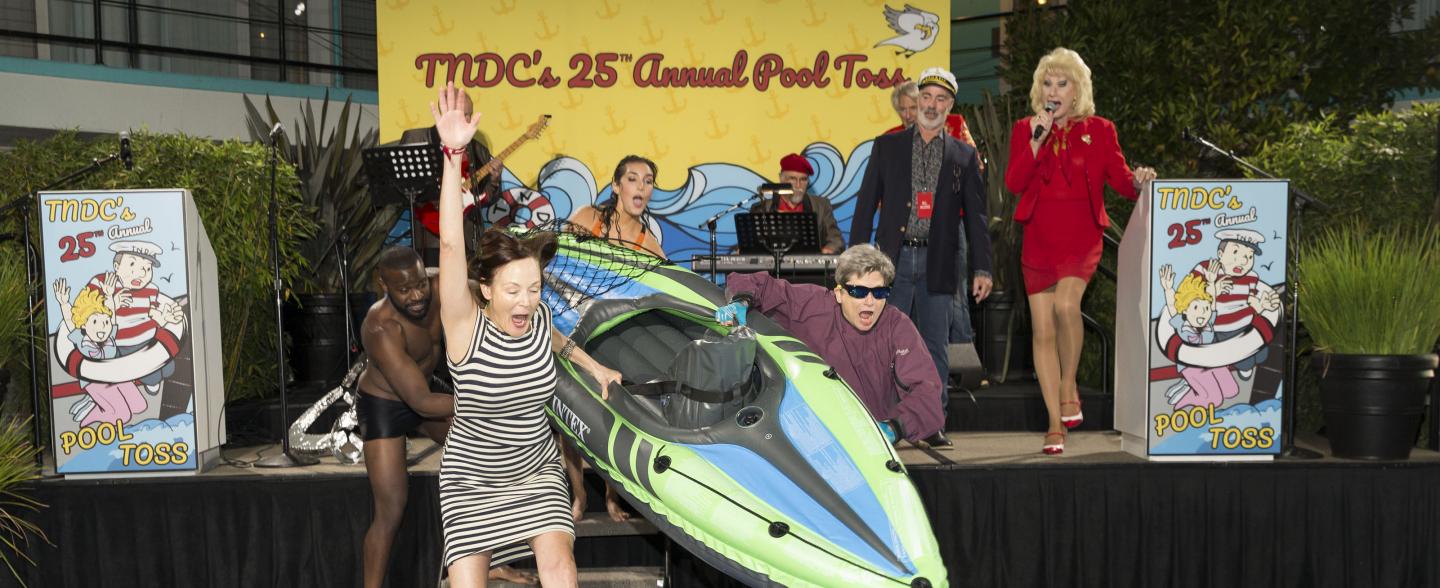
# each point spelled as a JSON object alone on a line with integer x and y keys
{"x": 330, "y": 167}
{"x": 1003, "y": 342}
{"x": 1372, "y": 305}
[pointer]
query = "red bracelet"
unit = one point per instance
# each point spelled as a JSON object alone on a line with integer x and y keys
{"x": 448, "y": 151}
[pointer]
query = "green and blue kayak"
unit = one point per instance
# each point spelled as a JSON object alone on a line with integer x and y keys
{"x": 781, "y": 479}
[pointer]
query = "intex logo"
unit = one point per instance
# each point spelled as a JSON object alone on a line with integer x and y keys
{"x": 571, "y": 420}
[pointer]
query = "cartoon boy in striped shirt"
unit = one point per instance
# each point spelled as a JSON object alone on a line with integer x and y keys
{"x": 141, "y": 311}
{"x": 1239, "y": 293}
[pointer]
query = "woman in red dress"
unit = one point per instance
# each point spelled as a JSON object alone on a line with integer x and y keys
{"x": 1061, "y": 159}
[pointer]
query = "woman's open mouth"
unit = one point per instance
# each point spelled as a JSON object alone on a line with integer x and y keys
{"x": 519, "y": 321}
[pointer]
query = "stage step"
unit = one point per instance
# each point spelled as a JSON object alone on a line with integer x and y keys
{"x": 1018, "y": 406}
{"x": 598, "y": 524}
{"x": 629, "y": 577}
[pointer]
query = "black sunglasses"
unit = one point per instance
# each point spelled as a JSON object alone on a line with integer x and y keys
{"x": 860, "y": 292}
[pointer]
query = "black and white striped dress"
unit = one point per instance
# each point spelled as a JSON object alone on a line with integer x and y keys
{"x": 501, "y": 480}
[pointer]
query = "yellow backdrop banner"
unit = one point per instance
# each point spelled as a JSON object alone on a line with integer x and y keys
{"x": 689, "y": 85}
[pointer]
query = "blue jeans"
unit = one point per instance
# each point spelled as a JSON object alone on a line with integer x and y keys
{"x": 930, "y": 312}
{"x": 961, "y": 330}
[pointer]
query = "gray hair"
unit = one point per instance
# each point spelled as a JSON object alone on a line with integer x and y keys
{"x": 906, "y": 89}
{"x": 863, "y": 259}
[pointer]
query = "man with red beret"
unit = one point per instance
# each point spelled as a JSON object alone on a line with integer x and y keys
{"x": 796, "y": 171}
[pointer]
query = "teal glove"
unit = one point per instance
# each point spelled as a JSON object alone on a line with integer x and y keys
{"x": 889, "y": 431}
{"x": 731, "y": 314}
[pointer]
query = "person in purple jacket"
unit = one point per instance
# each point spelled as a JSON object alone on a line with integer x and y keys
{"x": 875, "y": 349}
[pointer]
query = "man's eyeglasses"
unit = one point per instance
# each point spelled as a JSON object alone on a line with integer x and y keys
{"x": 860, "y": 292}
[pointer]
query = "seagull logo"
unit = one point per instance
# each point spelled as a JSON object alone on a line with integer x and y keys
{"x": 917, "y": 29}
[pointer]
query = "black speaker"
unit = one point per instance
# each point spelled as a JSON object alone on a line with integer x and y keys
{"x": 965, "y": 366}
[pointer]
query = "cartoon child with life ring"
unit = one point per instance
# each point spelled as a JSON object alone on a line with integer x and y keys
{"x": 91, "y": 325}
{"x": 1192, "y": 310}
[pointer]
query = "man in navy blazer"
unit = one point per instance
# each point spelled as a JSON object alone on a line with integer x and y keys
{"x": 933, "y": 221}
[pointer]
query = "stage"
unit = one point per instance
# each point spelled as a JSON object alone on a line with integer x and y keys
{"x": 1004, "y": 515}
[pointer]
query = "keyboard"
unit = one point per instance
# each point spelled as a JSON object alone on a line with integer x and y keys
{"x": 807, "y": 263}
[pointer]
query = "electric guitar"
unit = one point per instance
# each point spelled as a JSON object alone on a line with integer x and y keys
{"x": 429, "y": 212}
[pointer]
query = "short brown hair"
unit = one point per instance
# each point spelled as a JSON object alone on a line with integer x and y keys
{"x": 499, "y": 247}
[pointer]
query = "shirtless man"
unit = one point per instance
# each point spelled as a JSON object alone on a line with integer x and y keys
{"x": 402, "y": 335}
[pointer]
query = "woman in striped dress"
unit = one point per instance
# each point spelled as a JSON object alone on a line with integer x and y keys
{"x": 503, "y": 491}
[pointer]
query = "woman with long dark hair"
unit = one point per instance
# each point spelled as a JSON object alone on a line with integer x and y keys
{"x": 625, "y": 218}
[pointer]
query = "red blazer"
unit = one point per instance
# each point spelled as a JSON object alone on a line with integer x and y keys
{"x": 1103, "y": 163}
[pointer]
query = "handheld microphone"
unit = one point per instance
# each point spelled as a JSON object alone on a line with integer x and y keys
{"x": 1049, "y": 107}
{"x": 126, "y": 157}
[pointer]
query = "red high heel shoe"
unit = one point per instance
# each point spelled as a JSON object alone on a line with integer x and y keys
{"x": 1054, "y": 448}
{"x": 1074, "y": 420}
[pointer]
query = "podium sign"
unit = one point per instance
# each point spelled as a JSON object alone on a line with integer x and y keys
{"x": 1200, "y": 364}
{"x": 133, "y": 318}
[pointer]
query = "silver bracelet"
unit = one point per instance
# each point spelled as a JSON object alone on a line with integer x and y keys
{"x": 568, "y": 349}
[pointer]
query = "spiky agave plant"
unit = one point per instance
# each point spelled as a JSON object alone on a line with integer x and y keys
{"x": 990, "y": 122}
{"x": 330, "y": 165}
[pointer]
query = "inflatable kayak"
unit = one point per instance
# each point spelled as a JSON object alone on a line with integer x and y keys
{"x": 739, "y": 444}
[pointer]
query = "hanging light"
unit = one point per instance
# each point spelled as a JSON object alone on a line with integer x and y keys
{"x": 300, "y": 9}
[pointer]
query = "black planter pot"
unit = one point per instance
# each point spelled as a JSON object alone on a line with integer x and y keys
{"x": 1373, "y": 403}
{"x": 316, "y": 326}
{"x": 994, "y": 334}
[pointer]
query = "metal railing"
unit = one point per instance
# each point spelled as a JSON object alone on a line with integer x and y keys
{"x": 350, "y": 49}
{"x": 1106, "y": 336}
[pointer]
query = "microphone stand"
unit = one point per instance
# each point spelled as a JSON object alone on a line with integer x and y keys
{"x": 285, "y": 458}
{"x": 1297, "y": 203}
{"x": 342, "y": 248}
{"x": 709, "y": 225}
{"x": 23, "y": 206}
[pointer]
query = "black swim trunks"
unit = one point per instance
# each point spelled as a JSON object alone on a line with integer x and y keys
{"x": 382, "y": 418}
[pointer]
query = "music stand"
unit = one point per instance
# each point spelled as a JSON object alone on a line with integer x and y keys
{"x": 777, "y": 233}
{"x": 404, "y": 174}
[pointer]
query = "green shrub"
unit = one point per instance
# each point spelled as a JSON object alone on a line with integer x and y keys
{"x": 1378, "y": 169}
{"x": 12, "y": 308}
{"x": 230, "y": 182}
{"x": 1237, "y": 73}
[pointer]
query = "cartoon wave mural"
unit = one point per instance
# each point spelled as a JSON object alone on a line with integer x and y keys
{"x": 565, "y": 185}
